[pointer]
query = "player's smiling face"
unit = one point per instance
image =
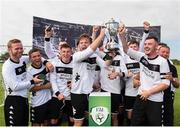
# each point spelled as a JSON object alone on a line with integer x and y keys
{"x": 164, "y": 52}
{"x": 150, "y": 46}
{"x": 65, "y": 54}
{"x": 83, "y": 44}
{"x": 134, "y": 47}
{"x": 35, "y": 58}
{"x": 16, "y": 50}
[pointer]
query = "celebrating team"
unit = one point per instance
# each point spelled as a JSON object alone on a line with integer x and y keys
{"x": 61, "y": 85}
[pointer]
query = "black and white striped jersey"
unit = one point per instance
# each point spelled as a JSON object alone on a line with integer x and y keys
{"x": 113, "y": 86}
{"x": 84, "y": 66}
{"x": 42, "y": 96}
{"x": 14, "y": 75}
{"x": 134, "y": 67}
{"x": 60, "y": 76}
{"x": 152, "y": 72}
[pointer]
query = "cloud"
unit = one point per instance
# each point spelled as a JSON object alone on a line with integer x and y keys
{"x": 16, "y": 16}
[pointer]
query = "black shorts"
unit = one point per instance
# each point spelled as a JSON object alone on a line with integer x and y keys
{"x": 80, "y": 105}
{"x": 16, "y": 110}
{"x": 55, "y": 108}
{"x": 67, "y": 109}
{"x": 168, "y": 115}
{"x": 129, "y": 102}
{"x": 39, "y": 113}
{"x": 116, "y": 100}
{"x": 147, "y": 110}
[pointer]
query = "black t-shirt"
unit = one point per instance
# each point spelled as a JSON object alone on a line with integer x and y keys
{"x": 172, "y": 69}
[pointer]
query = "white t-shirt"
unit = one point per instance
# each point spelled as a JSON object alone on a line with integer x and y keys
{"x": 14, "y": 75}
{"x": 151, "y": 73}
{"x": 84, "y": 65}
{"x": 60, "y": 76}
{"x": 42, "y": 96}
{"x": 113, "y": 86}
{"x": 134, "y": 67}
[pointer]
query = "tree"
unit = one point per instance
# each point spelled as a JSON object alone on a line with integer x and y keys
{"x": 176, "y": 62}
{"x": 4, "y": 56}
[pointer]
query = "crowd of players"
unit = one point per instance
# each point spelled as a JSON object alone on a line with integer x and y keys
{"x": 139, "y": 75}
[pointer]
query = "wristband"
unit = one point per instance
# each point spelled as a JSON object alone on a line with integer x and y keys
{"x": 45, "y": 62}
{"x": 32, "y": 82}
{"x": 47, "y": 39}
{"x": 57, "y": 93}
{"x": 123, "y": 74}
{"x": 107, "y": 57}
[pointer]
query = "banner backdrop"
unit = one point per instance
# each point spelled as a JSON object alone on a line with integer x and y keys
{"x": 70, "y": 32}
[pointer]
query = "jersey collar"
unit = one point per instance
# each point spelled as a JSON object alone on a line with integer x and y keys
{"x": 153, "y": 58}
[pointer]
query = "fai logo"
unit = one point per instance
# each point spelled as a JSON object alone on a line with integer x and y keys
{"x": 99, "y": 114}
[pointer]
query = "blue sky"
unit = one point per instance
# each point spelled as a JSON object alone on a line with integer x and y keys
{"x": 17, "y": 16}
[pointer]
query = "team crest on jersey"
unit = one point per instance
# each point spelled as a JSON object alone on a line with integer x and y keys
{"x": 77, "y": 78}
{"x": 99, "y": 114}
{"x": 19, "y": 69}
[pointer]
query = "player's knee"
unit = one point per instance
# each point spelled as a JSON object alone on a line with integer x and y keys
{"x": 54, "y": 121}
{"x": 114, "y": 116}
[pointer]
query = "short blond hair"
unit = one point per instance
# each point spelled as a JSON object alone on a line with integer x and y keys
{"x": 13, "y": 41}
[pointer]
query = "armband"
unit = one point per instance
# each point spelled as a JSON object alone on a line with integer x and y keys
{"x": 57, "y": 93}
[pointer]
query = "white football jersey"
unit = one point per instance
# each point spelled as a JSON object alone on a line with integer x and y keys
{"x": 14, "y": 75}
{"x": 60, "y": 76}
{"x": 84, "y": 65}
{"x": 152, "y": 73}
{"x": 42, "y": 96}
{"x": 113, "y": 86}
{"x": 134, "y": 67}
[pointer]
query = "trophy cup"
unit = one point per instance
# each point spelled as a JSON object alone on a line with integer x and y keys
{"x": 112, "y": 27}
{"x": 43, "y": 78}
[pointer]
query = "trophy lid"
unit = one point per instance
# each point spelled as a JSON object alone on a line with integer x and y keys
{"x": 111, "y": 21}
{"x": 112, "y": 27}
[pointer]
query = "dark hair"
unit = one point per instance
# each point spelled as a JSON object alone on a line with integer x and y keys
{"x": 84, "y": 36}
{"x": 133, "y": 42}
{"x": 152, "y": 37}
{"x": 164, "y": 46}
{"x": 13, "y": 41}
{"x": 66, "y": 45}
{"x": 32, "y": 51}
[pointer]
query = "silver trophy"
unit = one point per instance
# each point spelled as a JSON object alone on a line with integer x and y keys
{"x": 112, "y": 27}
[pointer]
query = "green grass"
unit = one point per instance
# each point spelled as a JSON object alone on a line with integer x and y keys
{"x": 177, "y": 108}
{"x": 1, "y": 96}
{"x": 176, "y": 103}
{"x": 2, "y": 122}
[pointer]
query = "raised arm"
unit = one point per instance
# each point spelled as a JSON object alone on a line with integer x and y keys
{"x": 122, "y": 31}
{"x": 82, "y": 55}
{"x": 98, "y": 40}
{"x": 48, "y": 47}
{"x": 94, "y": 32}
{"x": 145, "y": 35}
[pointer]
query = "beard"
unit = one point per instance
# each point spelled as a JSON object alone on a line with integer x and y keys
{"x": 16, "y": 54}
